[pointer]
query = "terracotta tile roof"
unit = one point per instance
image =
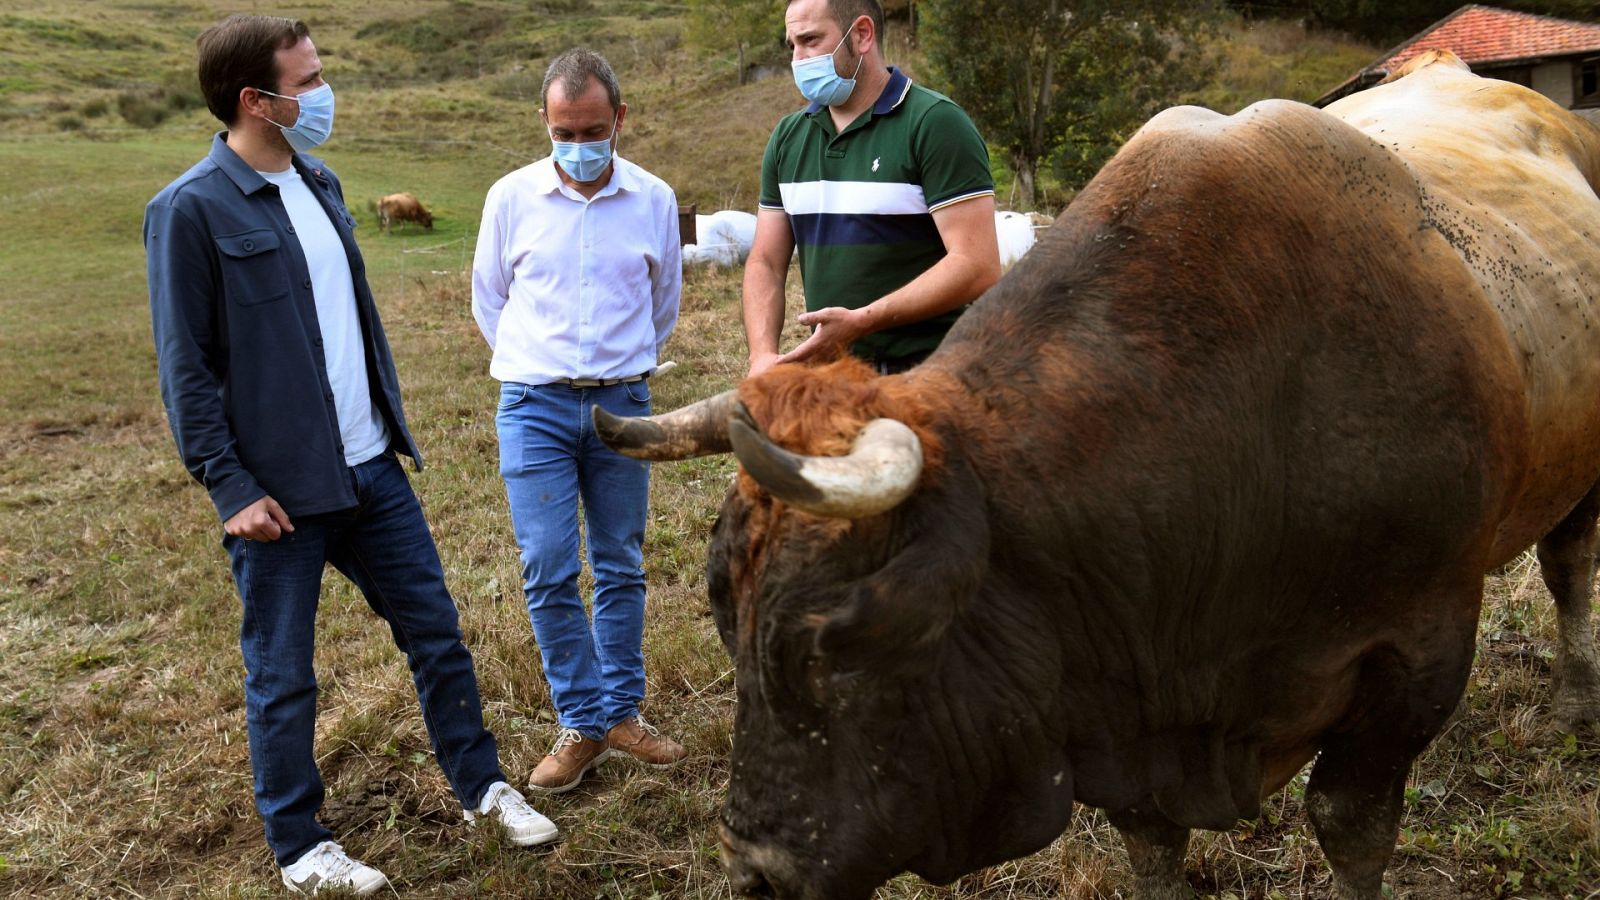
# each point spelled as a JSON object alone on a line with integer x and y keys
{"x": 1481, "y": 34}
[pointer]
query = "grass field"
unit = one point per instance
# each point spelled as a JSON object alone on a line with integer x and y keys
{"x": 123, "y": 766}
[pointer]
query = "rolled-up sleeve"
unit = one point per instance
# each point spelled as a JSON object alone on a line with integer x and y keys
{"x": 183, "y": 294}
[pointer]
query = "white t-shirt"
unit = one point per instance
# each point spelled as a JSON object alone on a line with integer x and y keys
{"x": 361, "y": 428}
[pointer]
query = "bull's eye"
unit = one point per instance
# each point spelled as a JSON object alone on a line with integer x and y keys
{"x": 818, "y": 680}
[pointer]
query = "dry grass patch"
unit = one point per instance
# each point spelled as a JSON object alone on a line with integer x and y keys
{"x": 130, "y": 711}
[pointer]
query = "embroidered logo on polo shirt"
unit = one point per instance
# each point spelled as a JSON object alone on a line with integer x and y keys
{"x": 875, "y": 163}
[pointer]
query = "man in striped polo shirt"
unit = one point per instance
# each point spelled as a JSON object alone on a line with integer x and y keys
{"x": 885, "y": 188}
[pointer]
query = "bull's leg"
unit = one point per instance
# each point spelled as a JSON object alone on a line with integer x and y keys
{"x": 1156, "y": 848}
{"x": 1357, "y": 787}
{"x": 1567, "y": 559}
{"x": 1355, "y": 807}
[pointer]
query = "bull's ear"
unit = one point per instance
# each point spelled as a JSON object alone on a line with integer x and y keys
{"x": 939, "y": 559}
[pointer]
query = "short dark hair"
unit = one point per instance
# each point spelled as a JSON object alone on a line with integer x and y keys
{"x": 846, "y": 11}
{"x": 573, "y": 69}
{"x": 240, "y": 52}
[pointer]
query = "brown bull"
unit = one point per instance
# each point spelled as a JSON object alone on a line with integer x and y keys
{"x": 1204, "y": 488}
{"x": 403, "y": 207}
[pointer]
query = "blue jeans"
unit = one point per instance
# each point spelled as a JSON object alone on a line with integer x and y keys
{"x": 550, "y": 457}
{"x": 384, "y": 547}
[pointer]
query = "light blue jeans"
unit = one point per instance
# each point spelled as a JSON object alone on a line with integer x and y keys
{"x": 551, "y": 459}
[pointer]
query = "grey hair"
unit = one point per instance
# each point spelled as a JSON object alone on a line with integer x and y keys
{"x": 573, "y": 69}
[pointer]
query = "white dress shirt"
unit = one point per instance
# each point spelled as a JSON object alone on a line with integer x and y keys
{"x": 564, "y": 287}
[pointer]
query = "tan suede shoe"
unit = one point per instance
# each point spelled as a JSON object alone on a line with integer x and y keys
{"x": 567, "y": 762}
{"x": 640, "y": 740}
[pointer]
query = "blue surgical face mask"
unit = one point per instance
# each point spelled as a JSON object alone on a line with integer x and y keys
{"x": 819, "y": 82}
{"x": 584, "y": 162}
{"x": 315, "y": 121}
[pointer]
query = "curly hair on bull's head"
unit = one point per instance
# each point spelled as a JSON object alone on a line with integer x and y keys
{"x": 820, "y": 410}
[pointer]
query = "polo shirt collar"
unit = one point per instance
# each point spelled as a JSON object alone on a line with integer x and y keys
{"x": 894, "y": 93}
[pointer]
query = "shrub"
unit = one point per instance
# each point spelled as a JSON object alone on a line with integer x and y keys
{"x": 181, "y": 90}
{"x": 149, "y": 105}
{"x": 560, "y": 7}
{"x": 143, "y": 108}
{"x": 521, "y": 84}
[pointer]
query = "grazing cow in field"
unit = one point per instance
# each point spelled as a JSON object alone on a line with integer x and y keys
{"x": 403, "y": 207}
{"x": 1203, "y": 489}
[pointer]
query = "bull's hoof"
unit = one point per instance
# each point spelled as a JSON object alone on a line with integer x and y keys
{"x": 1575, "y": 714}
{"x": 1575, "y": 704}
{"x": 1344, "y": 890}
{"x": 1147, "y": 887}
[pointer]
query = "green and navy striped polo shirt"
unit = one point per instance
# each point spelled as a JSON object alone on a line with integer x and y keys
{"x": 860, "y": 202}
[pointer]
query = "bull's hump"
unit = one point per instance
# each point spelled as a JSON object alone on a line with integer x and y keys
{"x": 1272, "y": 140}
{"x": 1203, "y": 123}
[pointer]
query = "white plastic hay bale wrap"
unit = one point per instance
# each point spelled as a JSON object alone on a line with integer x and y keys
{"x": 1014, "y": 231}
{"x": 724, "y": 239}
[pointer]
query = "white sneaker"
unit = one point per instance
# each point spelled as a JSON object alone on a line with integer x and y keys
{"x": 524, "y": 826}
{"x": 327, "y": 866}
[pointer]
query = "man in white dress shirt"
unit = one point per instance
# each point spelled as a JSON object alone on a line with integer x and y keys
{"x": 575, "y": 285}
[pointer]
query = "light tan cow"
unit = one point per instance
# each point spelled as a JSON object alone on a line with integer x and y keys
{"x": 403, "y": 207}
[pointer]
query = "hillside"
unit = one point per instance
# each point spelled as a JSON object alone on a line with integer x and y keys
{"x": 462, "y": 79}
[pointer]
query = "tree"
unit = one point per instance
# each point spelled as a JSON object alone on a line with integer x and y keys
{"x": 1064, "y": 82}
{"x": 736, "y": 25}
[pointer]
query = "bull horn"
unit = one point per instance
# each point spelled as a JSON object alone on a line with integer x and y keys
{"x": 699, "y": 429}
{"x": 879, "y": 472}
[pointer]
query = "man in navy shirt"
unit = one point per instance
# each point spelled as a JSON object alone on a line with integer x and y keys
{"x": 282, "y": 395}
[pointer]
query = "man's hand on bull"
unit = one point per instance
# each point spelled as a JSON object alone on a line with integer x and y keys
{"x": 834, "y": 329}
{"x": 263, "y": 520}
{"x": 760, "y": 362}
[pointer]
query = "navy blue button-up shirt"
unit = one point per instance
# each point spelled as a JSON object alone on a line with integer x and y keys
{"x": 243, "y": 377}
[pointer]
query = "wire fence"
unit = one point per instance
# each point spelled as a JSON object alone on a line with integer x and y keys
{"x": 460, "y": 245}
